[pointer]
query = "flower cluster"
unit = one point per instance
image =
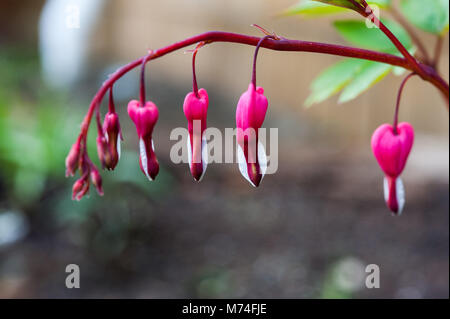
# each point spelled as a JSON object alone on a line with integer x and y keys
{"x": 391, "y": 144}
{"x": 78, "y": 160}
{"x": 250, "y": 114}
{"x": 108, "y": 147}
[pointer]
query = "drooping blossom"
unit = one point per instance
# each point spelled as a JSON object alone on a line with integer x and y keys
{"x": 391, "y": 147}
{"x": 195, "y": 108}
{"x": 250, "y": 113}
{"x": 144, "y": 118}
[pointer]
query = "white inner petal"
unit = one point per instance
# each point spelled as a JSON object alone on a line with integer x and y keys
{"x": 243, "y": 165}
{"x": 400, "y": 191}
{"x": 118, "y": 145}
{"x": 189, "y": 151}
{"x": 204, "y": 156}
{"x": 143, "y": 154}
{"x": 386, "y": 189}
{"x": 262, "y": 159}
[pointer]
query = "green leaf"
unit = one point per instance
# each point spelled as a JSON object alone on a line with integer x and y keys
{"x": 314, "y": 8}
{"x": 370, "y": 74}
{"x": 352, "y": 5}
{"x": 431, "y": 16}
{"x": 384, "y": 4}
{"x": 358, "y": 33}
{"x": 333, "y": 80}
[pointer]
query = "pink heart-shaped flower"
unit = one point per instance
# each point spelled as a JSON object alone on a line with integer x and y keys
{"x": 392, "y": 150}
{"x": 251, "y": 109}
{"x": 144, "y": 118}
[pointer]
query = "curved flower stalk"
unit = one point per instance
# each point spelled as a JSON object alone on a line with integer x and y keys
{"x": 195, "y": 108}
{"x": 250, "y": 112}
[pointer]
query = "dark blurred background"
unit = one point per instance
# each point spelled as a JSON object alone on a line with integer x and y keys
{"x": 308, "y": 232}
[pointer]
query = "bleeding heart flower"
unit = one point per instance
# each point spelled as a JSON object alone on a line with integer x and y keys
{"x": 391, "y": 149}
{"x": 250, "y": 114}
{"x": 144, "y": 118}
{"x": 196, "y": 108}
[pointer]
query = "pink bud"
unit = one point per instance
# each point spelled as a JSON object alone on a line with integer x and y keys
{"x": 111, "y": 127}
{"x": 196, "y": 110}
{"x": 73, "y": 159}
{"x": 250, "y": 114}
{"x": 96, "y": 180}
{"x": 144, "y": 118}
{"x": 391, "y": 149}
{"x": 80, "y": 188}
{"x": 103, "y": 150}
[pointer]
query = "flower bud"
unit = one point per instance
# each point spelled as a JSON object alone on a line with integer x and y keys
{"x": 103, "y": 150}
{"x": 391, "y": 149}
{"x": 111, "y": 128}
{"x": 195, "y": 109}
{"x": 96, "y": 180}
{"x": 144, "y": 118}
{"x": 80, "y": 188}
{"x": 73, "y": 159}
{"x": 250, "y": 114}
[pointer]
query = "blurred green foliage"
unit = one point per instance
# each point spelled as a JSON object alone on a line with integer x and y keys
{"x": 359, "y": 33}
{"x": 37, "y": 128}
{"x": 431, "y": 16}
{"x": 355, "y": 77}
{"x": 34, "y": 132}
{"x": 315, "y": 8}
{"x": 352, "y": 76}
